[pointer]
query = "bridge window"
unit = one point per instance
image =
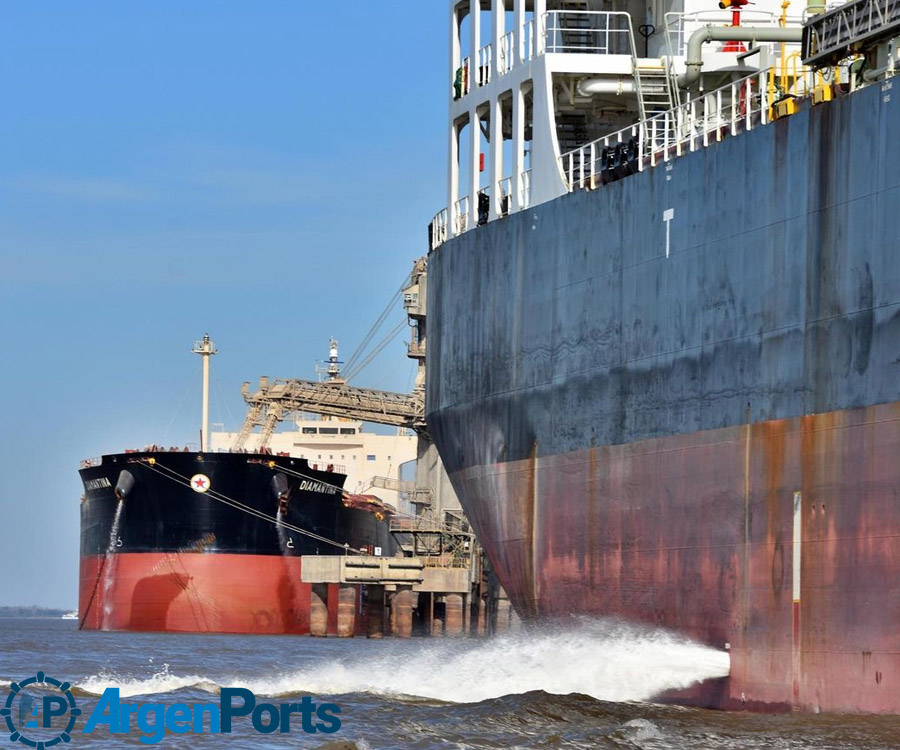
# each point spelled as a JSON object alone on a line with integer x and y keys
{"x": 309, "y": 430}
{"x": 370, "y": 457}
{"x": 328, "y": 430}
{"x": 348, "y": 430}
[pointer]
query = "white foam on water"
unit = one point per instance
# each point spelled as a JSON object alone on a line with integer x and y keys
{"x": 606, "y": 660}
{"x": 160, "y": 682}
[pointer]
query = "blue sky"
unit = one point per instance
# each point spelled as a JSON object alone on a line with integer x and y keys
{"x": 261, "y": 171}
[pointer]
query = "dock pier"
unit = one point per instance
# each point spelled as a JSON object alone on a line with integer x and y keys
{"x": 365, "y": 595}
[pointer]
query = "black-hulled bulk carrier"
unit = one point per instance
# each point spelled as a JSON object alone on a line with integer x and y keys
{"x": 202, "y": 541}
{"x": 664, "y": 328}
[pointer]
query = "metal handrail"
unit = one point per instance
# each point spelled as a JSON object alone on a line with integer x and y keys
{"x": 528, "y": 46}
{"x": 506, "y": 57}
{"x": 525, "y": 189}
{"x": 504, "y": 187}
{"x": 741, "y": 105}
{"x": 327, "y": 466}
{"x": 485, "y": 64}
{"x": 439, "y": 228}
{"x": 607, "y": 32}
{"x": 679, "y": 26}
{"x": 461, "y": 215}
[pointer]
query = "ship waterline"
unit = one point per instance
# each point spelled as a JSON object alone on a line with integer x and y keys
{"x": 674, "y": 399}
{"x": 195, "y": 593}
{"x": 697, "y": 533}
{"x": 159, "y": 555}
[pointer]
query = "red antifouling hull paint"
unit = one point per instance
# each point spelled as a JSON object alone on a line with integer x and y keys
{"x": 699, "y": 533}
{"x": 193, "y": 593}
{"x": 157, "y": 555}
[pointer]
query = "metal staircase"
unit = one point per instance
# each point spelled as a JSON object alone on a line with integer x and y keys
{"x": 654, "y": 87}
{"x": 571, "y": 130}
{"x": 577, "y": 31}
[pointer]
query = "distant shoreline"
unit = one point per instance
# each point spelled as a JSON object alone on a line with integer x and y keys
{"x": 31, "y": 612}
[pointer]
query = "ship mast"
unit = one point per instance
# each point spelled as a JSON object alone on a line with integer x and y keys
{"x": 205, "y": 349}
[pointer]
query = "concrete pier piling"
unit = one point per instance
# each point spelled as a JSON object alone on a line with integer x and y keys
{"x": 454, "y": 614}
{"x": 318, "y": 610}
{"x": 401, "y": 612}
{"x": 399, "y": 594}
{"x": 346, "y": 611}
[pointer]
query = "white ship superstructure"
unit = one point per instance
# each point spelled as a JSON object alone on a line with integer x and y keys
{"x": 344, "y": 446}
{"x": 532, "y": 80}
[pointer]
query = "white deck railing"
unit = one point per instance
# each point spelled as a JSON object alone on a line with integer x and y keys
{"x": 485, "y": 64}
{"x": 732, "y": 109}
{"x": 525, "y": 189}
{"x": 737, "y": 107}
{"x": 528, "y": 46}
{"x": 438, "y": 228}
{"x": 680, "y": 26}
{"x": 503, "y": 207}
{"x": 461, "y": 215}
{"x": 507, "y": 57}
{"x": 462, "y": 82}
{"x": 588, "y": 32}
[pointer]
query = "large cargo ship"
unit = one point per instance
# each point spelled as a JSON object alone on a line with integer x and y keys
{"x": 664, "y": 329}
{"x": 206, "y": 541}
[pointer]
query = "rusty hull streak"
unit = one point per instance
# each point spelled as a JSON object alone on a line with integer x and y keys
{"x": 678, "y": 401}
{"x": 641, "y": 554}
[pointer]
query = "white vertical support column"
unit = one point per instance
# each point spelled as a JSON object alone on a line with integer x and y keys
{"x": 496, "y": 150}
{"x": 475, "y": 42}
{"x": 454, "y": 40}
{"x": 540, "y": 8}
{"x": 474, "y": 82}
{"x": 475, "y": 176}
{"x": 518, "y": 145}
{"x": 498, "y": 13}
{"x": 452, "y": 178}
{"x": 205, "y": 348}
{"x": 519, "y": 39}
{"x": 453, "y": 143}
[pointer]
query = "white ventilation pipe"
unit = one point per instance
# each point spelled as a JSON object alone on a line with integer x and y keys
{"x": 618, "y": 86}
{"x": 728, "y": 34}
